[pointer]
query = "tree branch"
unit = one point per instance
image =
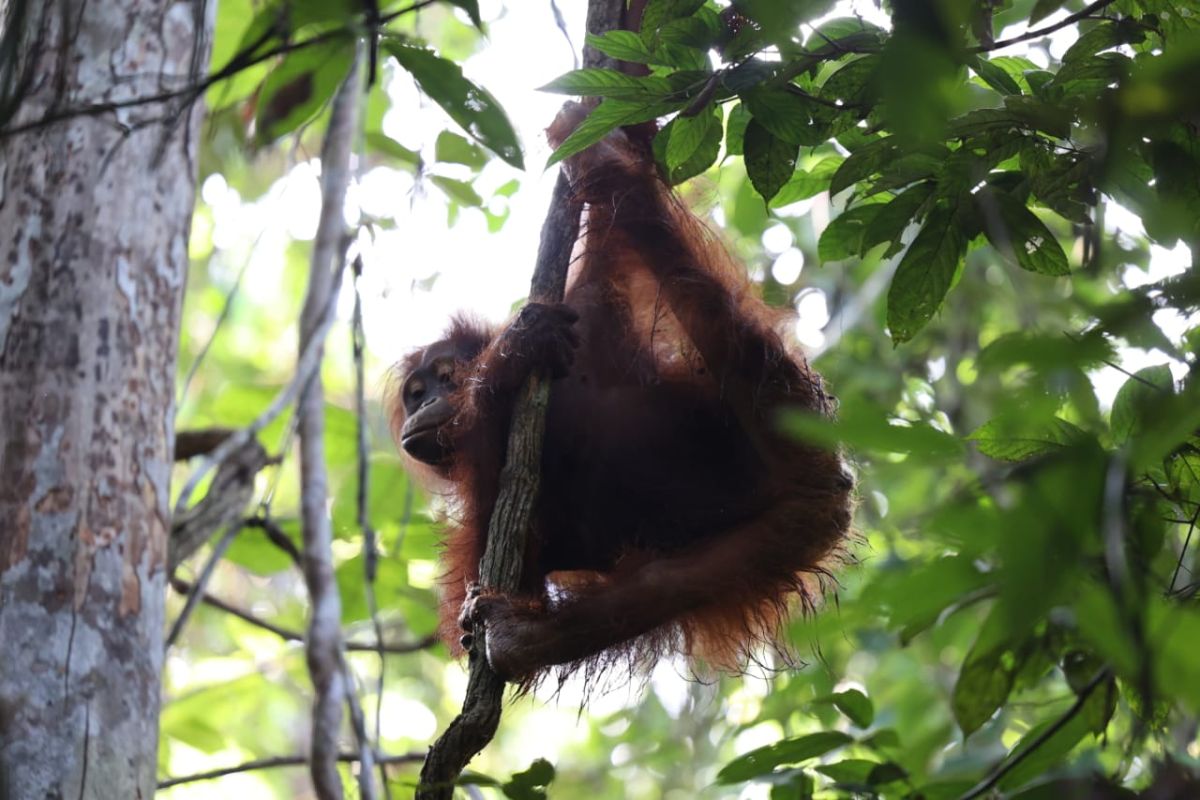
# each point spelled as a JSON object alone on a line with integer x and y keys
{"x": 500, "y": 568}
{"x": 1086, "y": 12}
{"x": 186, "y": 588}
{"x": 1008, "y": 766}
{"x": 323, "y": 643}
{"x": 280, "y": 761}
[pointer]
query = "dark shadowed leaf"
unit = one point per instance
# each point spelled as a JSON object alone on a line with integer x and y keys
{"x": 605, "y": 117}
{"x": 843, "y": 237}
{"x": 855, "y": 705}
{"x": 924, "y": 275}
{"x": 1018, "y": 438}
{"x": 789, "y": 751}
{"x": 770, "y": 160}
{"x": 300, "y": 87}
{"x": 470, "y": 106}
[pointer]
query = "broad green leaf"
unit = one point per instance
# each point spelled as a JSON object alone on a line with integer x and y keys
{"x": 460, "y": 192}
{"x": 783, "y": 113}
{"x": 1101, "y": 37}
{"x": 788, "y": 751}
{"x": 1019, "y": 234}
{"x": 735, "y": 130}
{"x": 702, "y": 157}
{"x": 843, "y": 237}
{"x": 470, "y": 106}
{"x": 622, "y": 45}
{"x": 984, "y": 683}
{"x": 994, "y": 76}
{"x": 1047, "y": 753}
{"x": 924, "y": 275}
{"x": 866, "y": 160}
{"x": 1043, "y": 9}
{"x": 1017, "y": 438}
{"x": 454, "y": 149}
{"x": 381, "y": 144}
{"x": 659, "y": 12}
{"x": 687, "y": 133}
{"x": 610, "y": 114}
{"x": 806, "y": 183}
{"x": 594, "y": 82}
{"x": 770, "y": 160}
{"x": 1141, "y": 392}
{"x": 892, "y": 219}
{"x": 471, "y": 7}
{"x": 300, "y": 87}
{"x": 855, "y": 705}
{"x": 860, "y": 429}
{"x": 850, "y": 770}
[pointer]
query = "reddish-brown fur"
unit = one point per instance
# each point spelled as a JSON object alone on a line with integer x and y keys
{"x": 675, "y": 516}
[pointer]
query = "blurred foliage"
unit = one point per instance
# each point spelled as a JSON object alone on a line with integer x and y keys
{"x": 1023, "y": 619}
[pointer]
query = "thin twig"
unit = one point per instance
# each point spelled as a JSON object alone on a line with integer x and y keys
{"x": 186, "y": 588}
{"x": 1008, "y": 766}
{"x": 1046, "y": 31}
{"x": 370, "y": 549}
{"x": 281, "y": 761}
{"x": 239, "y": 62}
{"x": 310, "y": 359}
{"x": 1183, "y": 551}
{"x": 201, "y": 582}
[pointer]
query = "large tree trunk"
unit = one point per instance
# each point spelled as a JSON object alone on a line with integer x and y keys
{"x": 94, "y": 218}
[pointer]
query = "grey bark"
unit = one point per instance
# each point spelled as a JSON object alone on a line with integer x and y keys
{"x": 323, "y": 643}
{"x": 94, "y": 220}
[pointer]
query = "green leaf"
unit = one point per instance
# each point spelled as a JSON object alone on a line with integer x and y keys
{"x": 770, "y": 160}
{"x": 924, "y": 275}
{"x": 659, "y": 12}
{"x": 1046, "y": 754}
{"x": 530, "y": 784}
{"x": 989, "y": 669}
{"x": 866, "y": 160}
{"x": 470, "y": 106}
{"x": 994, "y": 76}
{"x": 1138, "y": 394}
{"x": 1101, "y": 37}
{"x": 454, "y": 149}
{"x": 702, "y": 156}
{"x": 788, "y": 751}
{"x": 843, "y": 237}
{"x": 472, "y": 9}
{"x": 605, "y": 117}
{"x": 1043, "y": 9}
{"x": 735, "y": 130}
{"x": 855, "y": 705}
{"x": 381, "y": 144}
{"x": 622, "y": 45}
{"x": 806, "y": 183}
{"x": 892, "y": 219}
{"x": 300, "y": 86}
{"x": 862, "y": 427}
{"x": 1016, "y": 438}
{"x": 460, "y": 192}
{"x": 784, "y": 114}
{"x": 849, "y": 771}
{"x": 1021, "y": 236}
{"x": 687, "y": 133}
{"x": 594, "y": 82}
